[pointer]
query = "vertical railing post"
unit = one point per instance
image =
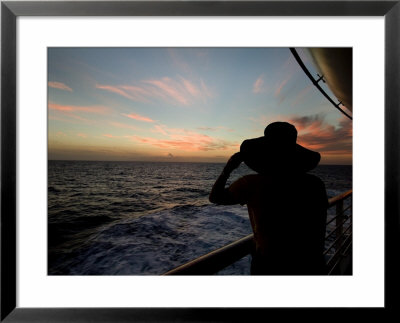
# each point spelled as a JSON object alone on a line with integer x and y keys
{"x": 339, "y": 224}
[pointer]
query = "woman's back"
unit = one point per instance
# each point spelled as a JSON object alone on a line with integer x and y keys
{"x": 288, "y": 216}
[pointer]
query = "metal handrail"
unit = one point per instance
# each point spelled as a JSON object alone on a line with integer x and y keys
{"x": 217, "y": 260}
{"x": 334, "y": 200}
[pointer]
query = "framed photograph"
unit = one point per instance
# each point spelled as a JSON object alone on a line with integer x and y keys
{"x": 118, "y": 117}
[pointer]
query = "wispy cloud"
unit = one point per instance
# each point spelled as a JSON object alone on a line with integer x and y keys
{"x": 215, "y": 128}
{"x": 66, "y": 117}
{"x": 179, "y": 91}
{"x": 170, "y": 89}
{"x": 302, "y": 95}
{"x": 191, "y": 88}
{"x": 60, "y": 134}
{"x": 206, "y": 92}
{"x": 178, "y": 61}
{"x": 258, "y": 85}
{"x": 160, "y": 129}
{"x": 133, "y": 93}
{"x": 280, "y": 87}
{"x": 59, "y": 86}
{"x": 76, "y": 114}
{"x": 138, "y": 117}
{"x": 114, "y": 89}
{"x": 185, "y": 140}
{"x": 110, "y": 136}
{"x": 74, "y": 108}
{"x": 123, "y": 125}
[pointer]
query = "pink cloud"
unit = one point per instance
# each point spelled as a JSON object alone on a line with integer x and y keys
{"x": 123, "y": 125}
{"x": 60, "y": 86}
{"x": 82, "y": 135}
{"x": 190, "y": 88}
{"x": 114, "y": 89}
{"x": 216, "y": 128}
{"x": 258, "y": 85}
{"x": 168, "y": 88}
{"x": 139, "y": 93}
{"x": 185, "y": 140}
{"x": 207, "y": 93}
{"x": 160, "y": 129}
{"x": 280, "y": 87}
{"x": 60, "y": 134}
{"x": 302, "y": 94}
{"x": 180, "y": 91}
{"x": 315, "y": 133}
{"x": 133, "y": 93}
{"x": 178, "y": 61}
{"x": 138, "y": 117}
{"x": 70, "y": 115}
{"x": 74, "y": 108}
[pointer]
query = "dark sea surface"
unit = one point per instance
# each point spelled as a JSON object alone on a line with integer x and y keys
{"x": 145, "y": 218}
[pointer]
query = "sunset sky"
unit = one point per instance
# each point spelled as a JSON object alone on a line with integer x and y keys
{"x": 184, "y": 104}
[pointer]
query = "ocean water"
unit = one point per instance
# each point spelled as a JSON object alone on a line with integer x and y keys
{"x": 145, "y": 218}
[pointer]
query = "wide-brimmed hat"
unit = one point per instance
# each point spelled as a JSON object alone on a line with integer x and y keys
{"x": 277, "y": 150}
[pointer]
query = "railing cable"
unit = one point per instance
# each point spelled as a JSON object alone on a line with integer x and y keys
{"x": 337, "y": 239}
{"x": 340, "y": 214}
{"x": 336, "y": 229}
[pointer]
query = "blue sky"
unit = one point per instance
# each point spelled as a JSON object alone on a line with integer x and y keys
{"x": 184, "y": 104}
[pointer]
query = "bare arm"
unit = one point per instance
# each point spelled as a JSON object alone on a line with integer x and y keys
{"x": 219, "y": 194}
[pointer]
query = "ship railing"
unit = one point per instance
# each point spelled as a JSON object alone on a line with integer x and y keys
{"x": 338, "y": 245}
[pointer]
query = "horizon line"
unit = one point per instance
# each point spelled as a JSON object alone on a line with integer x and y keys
{"x": 165, "y": 161}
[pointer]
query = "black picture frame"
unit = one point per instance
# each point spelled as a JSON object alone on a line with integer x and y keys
{"x": 10, "y": 10}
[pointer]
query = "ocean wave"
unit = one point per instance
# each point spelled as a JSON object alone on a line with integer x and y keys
{"x": 143, "y": 218}
{"x": 195, "y": 190}
{"x": 53, "y": 189}
{"x": 172, "y": 236}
